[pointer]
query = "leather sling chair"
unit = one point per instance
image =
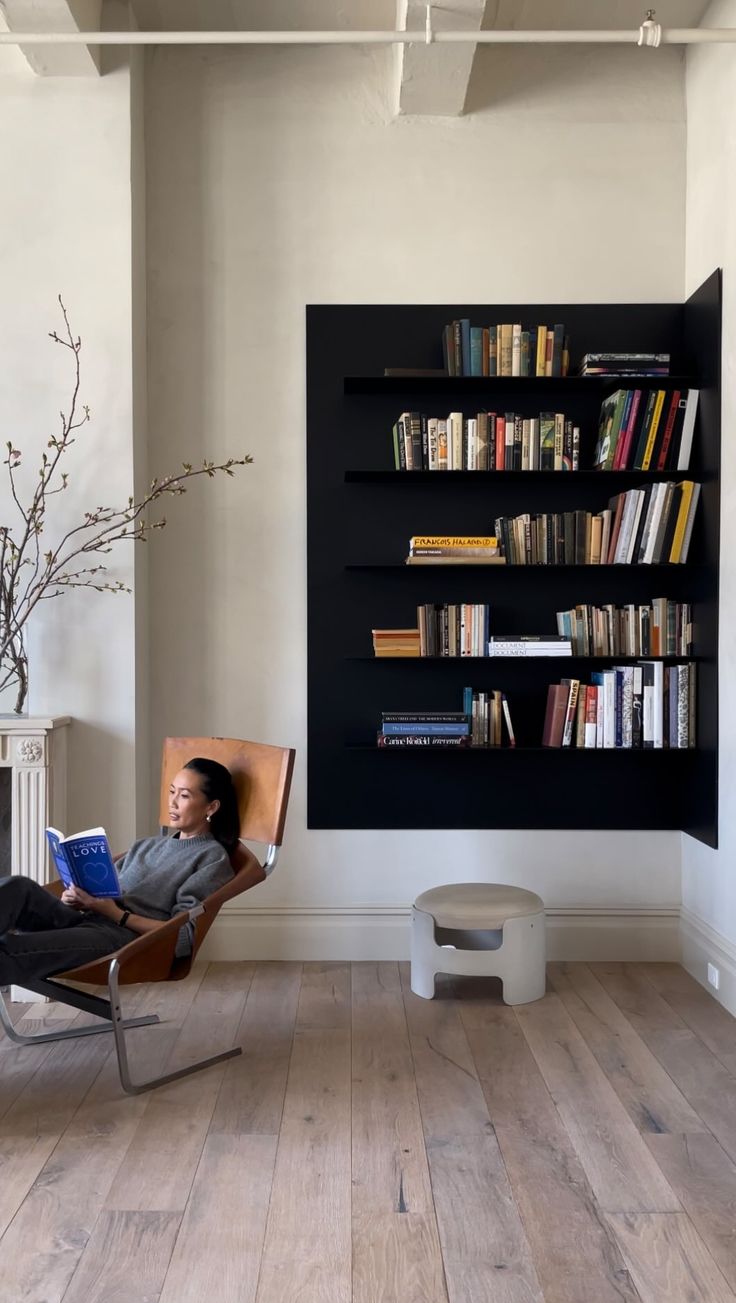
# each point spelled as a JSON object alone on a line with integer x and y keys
{"x": 262, "y": 777}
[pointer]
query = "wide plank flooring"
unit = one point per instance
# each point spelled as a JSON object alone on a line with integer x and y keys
{"x": 372, "y": 1147}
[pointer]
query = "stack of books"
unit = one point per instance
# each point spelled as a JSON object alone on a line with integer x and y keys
{"x": 648, "y": 706}
{"x": 530, "y": 644}
{"x": 648, "y": 526}
{"x": 664, "y": 628}
{"x": 458, "y": 549}
{"x": 488, "y": 441}
{"x": 505, "y": 350}
{"x": 646, "y": 429}
{"x": 424, "y": 729}
{"x": 396, "y": 642}
{"x": 621, "y": 364}
{"x": 488, "y": 712}
{"x": 453, "y": 629}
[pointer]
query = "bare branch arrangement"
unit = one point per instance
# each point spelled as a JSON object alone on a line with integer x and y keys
{"x": 31, "y": 571}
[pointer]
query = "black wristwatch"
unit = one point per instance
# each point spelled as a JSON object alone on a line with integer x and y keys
{"x": 124, "y": 918}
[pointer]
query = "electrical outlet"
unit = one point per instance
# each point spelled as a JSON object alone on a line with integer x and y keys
{"x": 714, "y": 976}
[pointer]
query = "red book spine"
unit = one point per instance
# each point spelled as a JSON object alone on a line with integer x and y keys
{"x": 500, "y": 442}
{"x": 662, "y": 458}
{"x": 624, "y": 444}
{"x": 615, "y": 528}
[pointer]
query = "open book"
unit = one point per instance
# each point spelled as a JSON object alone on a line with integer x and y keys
{"x": 84, "y": 860}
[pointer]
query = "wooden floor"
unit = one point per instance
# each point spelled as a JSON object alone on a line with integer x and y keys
{"x": 376, "y": 1147}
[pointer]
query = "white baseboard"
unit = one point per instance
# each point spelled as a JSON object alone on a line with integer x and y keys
{"x": 701, "y": 945}
{"x": 382, "y": 932}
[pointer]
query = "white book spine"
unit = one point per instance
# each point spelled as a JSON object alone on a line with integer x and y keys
{"x": 609, "y": 714}
{"x": 525, "y": 445}
{"x": 443, "y": 463}
{"x": 658, "y": 499}
{"x": 683, "y": 706}
{"x": 433, "y": 443}
{"x": 627, "y": 730}
{"x": 624, "y": 534}
{"x": 638, "y": 505}
{"x": 455, "y": 436}
{"x": 516, "y": 350}
{"x": 648, "y": 716}
{"x": 534, "y": 444}
{"x": 647, "y": 531}
{"x": 472, "y": 443}
{"x": 688, "y": 426}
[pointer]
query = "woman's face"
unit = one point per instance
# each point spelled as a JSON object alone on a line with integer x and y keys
{"x": 188, "y": 805}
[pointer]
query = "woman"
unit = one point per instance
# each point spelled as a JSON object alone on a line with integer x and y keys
{"x": 160, "y": 877}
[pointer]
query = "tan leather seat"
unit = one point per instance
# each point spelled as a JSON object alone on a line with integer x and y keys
{"x": 477, "y": 905}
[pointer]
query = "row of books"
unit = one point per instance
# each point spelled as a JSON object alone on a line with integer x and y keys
{"x": 453, "y": 628}
{"x": 505, "y": 350}
{"x": 618, "y": 364}
{"x": 649, "y": 706}
{"x": 481, "y": 723}
{"x": 648, "y": 526}
{"x": 664, "y": 628}
{"x": 458, "y": 549}
{"x": 646, "y": 429}
{"x": 488, "y": 441}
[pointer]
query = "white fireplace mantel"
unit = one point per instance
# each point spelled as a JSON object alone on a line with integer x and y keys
{"x": 35, "y": 749}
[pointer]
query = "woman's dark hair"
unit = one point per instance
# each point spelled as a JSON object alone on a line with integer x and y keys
{"x": 217, "y": 785}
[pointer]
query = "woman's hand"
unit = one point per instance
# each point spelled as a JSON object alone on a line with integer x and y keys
{"x": 79, "y": 899}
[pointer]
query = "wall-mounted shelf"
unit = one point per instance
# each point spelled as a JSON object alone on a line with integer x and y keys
{"x": 359, "y": 526}
{"x": 578, "y": 661}
{"x": 523, "y": 386}
{"x": 613, "y": 481}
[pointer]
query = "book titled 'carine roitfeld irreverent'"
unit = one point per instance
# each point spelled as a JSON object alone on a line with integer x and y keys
{"x": 84, "y": 860}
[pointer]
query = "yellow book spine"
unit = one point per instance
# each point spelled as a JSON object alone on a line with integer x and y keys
{"x": 506, "y": 349}
{"x": 458, "y": 540}
{"x": 658, "y": 404}
{"x": 541, "y": 350}
{"x": 687, "y": 493}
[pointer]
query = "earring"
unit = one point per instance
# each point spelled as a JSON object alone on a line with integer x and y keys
{"x": 209, "y": 818}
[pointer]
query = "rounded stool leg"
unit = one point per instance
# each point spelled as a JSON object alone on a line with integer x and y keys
{"x": 423, "y": 954}
{"x": 523, "y": 953}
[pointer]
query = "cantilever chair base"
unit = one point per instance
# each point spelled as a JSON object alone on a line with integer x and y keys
{"x": 116, "y": 1024}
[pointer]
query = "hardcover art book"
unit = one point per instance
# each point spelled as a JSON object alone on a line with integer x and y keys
{"x": 84, "y": 860}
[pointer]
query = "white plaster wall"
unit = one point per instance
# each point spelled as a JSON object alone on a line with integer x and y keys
{"x": 276, "y": 178}
{"x": 709, "y": 882}
{"x": 65, "y": 227}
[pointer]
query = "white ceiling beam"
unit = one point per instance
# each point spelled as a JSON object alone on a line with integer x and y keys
{"x": 57, "y": 16}
{"x": 433, "y": 79}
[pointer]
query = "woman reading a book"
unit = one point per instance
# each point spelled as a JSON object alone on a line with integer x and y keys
{"x": 159, "y": 877}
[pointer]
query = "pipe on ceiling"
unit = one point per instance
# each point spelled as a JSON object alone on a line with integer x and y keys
{"x": 649, "y": 33}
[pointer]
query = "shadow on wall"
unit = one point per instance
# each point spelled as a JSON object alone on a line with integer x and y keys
{"x": 583, "y": 83}
{"x": 98, "y": 752}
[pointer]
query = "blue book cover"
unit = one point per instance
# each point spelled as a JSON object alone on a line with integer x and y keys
{"x": 476, "y": 350}
{"x": 438, "y": 730}
{"x": 84, "y": 860}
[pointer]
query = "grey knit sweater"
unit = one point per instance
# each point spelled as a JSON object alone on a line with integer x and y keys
{"x": 162, "y": 876}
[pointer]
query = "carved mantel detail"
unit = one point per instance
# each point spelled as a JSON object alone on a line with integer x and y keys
{"x": 30, "y": 750}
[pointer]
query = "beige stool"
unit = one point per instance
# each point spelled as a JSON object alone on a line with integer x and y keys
{"x": 479, "y": 929}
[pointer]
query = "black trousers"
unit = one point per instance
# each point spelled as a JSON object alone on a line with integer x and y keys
{"x": 39, "y": 935}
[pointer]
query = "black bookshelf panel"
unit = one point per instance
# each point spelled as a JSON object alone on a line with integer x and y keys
{"x": 361, "y": 514}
